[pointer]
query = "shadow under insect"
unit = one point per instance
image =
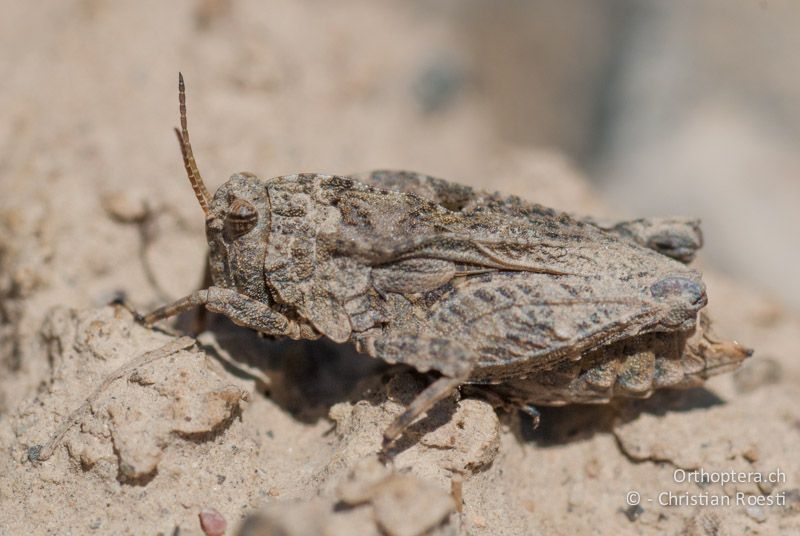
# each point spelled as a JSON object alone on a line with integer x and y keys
{"x": 305, "y": 378}
{"x": 578, "y": 422}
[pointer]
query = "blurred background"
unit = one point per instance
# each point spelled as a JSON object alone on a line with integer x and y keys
{"x": 688, "y": 107}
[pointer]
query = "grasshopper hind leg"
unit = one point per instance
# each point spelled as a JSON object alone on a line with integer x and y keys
{"x": 435, "y": 392}
{"x": 424, "y": 353}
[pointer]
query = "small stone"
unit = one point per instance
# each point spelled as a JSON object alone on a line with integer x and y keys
{"x": 756, "y": 513}
{"x": 766, "y": 487}
{"x": 293, "y": 518}
{"x": 404, "y": 505}
{"x": 212, "y": 522}
{"x": 457, "y": 492}
{"x": 361, "y": 481}
{"x": 751, "y": 454}
{"x": 472, "y": 436}
{"x": 634, "y": 512}
{"x": 274, "y": 492}
{"x": 33, "y": 452}
{"x": 703, "y": 524}
{"x": 792, "y": 497}
{"x": 125, "y": 207}
{"x": 592, "y": 468}
{"x": 204, "y": 413}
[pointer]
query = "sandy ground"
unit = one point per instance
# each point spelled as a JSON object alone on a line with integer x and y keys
{"x": 95, "y": 204}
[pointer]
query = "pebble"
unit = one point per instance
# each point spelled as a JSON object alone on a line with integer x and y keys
{"x": 756, "y": 513}
{"x": 125, "y": 207}
{"x": 212, "y": 522}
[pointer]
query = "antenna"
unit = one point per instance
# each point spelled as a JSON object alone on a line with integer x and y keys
{"x": 189, "y": 163}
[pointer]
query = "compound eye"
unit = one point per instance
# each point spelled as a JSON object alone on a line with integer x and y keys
{"x": 242, "y": 217}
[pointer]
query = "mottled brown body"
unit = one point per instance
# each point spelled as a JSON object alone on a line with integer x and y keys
{"x": 482, "y": 288}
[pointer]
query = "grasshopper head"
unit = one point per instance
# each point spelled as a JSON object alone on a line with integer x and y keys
{"x": 237, "y": 230}
{"x": 237, "y": 219}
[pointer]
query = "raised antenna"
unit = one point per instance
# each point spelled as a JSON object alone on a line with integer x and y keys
{"x": 189, "y": 163}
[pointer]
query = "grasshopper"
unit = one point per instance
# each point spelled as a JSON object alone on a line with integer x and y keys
{"x": 538, "y": 306}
